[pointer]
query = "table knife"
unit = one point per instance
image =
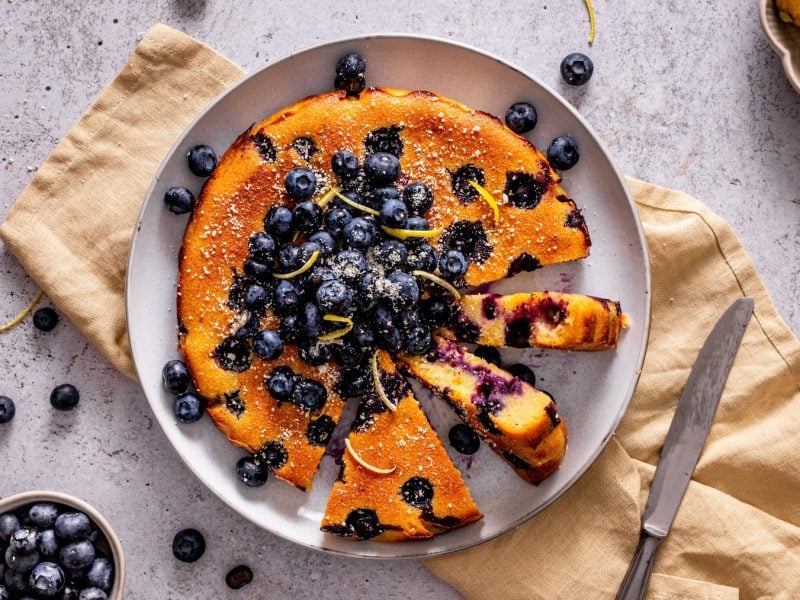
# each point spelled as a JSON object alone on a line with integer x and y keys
{"x": 684, "y": 442}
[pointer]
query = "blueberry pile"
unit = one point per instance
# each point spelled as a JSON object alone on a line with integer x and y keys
{"x": 52, "y": 551}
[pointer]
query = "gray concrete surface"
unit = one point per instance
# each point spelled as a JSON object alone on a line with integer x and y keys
{"x": 686, "y": 94}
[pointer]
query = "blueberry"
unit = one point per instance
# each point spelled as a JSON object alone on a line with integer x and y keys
{"x": 349, "y": 265}
{"x": 202, "y": 160}
{"x": 335, "y": 297}
{"x": 238, "y": 577}
{"x": 23, "y": 540}
{"x": 354, "y": 382}
{"x": 315, "y": 353}
{"x": 188, "y": 545}
{"x": 463, "y": 439}
{"x": 523, "y": 372}
{"x": 305, "y": 251}
{"x": 319, "y": 430}
{"x": 188, "y": 408}
{"x": 563, "y": 153}
{"x": 289, "y": 329}
{"x": 417, "y": 340}
{"x": 390, "y": 339}
{"x": 393, "y": 213}
{"x": 288, "y": 259}
{"x": 417, "y": 492}
{"x": 405, "y": 289}
{"x": 325, "y": 242}
{"x": 335, "y": 220}
{"x": 19, "y": 562}
{"x": 101, "y": 574}
{"x": 257, "y": 270}
{"x": 383, "y": 317}
{"x": 416, "y": 223}
{"x": 279, "y": 223}
{"x": 92, "y": 593}
{"x": 362, "y": 335}
{"x": 345, "y": 165}
{"x": 301, "y": 183}
{"x": 521, "y": 117}
{"x": 489, "y": 354}
{"x": 8, "y": 524}
{"x": 281, "y": 383}
{"x": 452, "y": 264}
{"x": 380, "y": 195}
{"x": 287, "y": 298}
{"x": 267, "y": 345}
{"x": 175, "y": 377}
{"x": 391, "y": 254}
{"x": 72, "y": 526}
{"x": 350, "y": 65}
{"x": 45, "y": 319}
{"x": 16, "y": 581}
{"x": 423, "y": 257}
{"x": 307, "y": 216}
{"x": 352, "y": 85}
{"x": 46, "y": 579}
{"x": 43, "y": 514}
{"x": 7, "y": 411}
{"x": 256, "y": 298}
{"x": 309, "y": 395}
{"x": 364, "y": 524}
{"x": 311, "y": 320}
{"x": 436, "y": 311}
{"x": 418, "y": 197}
{"x": 252, "y": 471}
{"x": 577, "y": 68}
{"x": 262, "y": 247}
{"x": 382, "y": 168}
{"x": 360, "y": 233}
{"x": 274, "y": 455}
{"x": 46, "y": 543}
{"x": 179, "y": 200}
{"x": 348, "y": 354}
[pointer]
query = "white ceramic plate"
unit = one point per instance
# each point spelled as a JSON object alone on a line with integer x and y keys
{"x": 592, "y": 389}
{"x": 784, "y": 39}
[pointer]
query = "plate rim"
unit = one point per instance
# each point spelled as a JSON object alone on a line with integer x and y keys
{"x": 639, "y": 231}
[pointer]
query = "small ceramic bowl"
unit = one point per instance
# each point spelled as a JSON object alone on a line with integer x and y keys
{"x": 784, "y": 39}
{"x": 14, "y": 502}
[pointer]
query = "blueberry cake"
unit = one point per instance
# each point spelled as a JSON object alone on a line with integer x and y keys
{"x": 396, "y": 482}
{"x": 544, "y": 319}
{"x": 520, "y": 423}
{"x": 329, "y": 241}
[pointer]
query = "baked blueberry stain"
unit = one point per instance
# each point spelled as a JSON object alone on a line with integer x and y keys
{"x": 489, "y": 306}
{"x": 234, "y": 354}
{"x": 459, "y": 182}
{"x": 305, "y": 147}
{"x": 182, "y": 330}
{"x": 575, "y": 220}
{"x": 234, "y": 403}
{"x": 319, "y": 431}
{"x": 273, "y": 454}
{"x": 264, "y": 146}
{"x": 469, "y": 238}
{"x": 524, "y": 262}
{"x": 417, "y": 492}
{"x": 465, "y": 329}
{"x": 549, "y": 311}
{"x": 525, "y": 190}
{"x": 552, "y": 412}
{"x": 385, "y": 139}
{"x": 309, "y": 395}
{"x": 362, "y": 523}
{"x": 518, "y": 332}
{"x": 516, "y": 461}
{"x": 238, "y": 290}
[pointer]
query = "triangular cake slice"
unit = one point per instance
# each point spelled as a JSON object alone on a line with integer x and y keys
{"x": 520, "y": 423}
{"x": 397, "y": 482}
{"x": 544, "y": 319}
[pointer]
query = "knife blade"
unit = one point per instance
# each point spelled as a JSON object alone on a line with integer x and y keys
{"x": 685, "y": 439}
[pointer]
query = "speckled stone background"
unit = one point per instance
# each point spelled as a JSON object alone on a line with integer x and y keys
{"x": 685, "y": 94}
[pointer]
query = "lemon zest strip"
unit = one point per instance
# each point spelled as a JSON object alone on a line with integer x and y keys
{"x": 25, "y": 311}
{"x": 364, "y": 463}
{"x": 488, "y": 198}
{"x": 309, "y": 263}
{"x": 438, "y": 280}
{"x": 337, "y": 333}
{"x": 376, "y": 380}
{"x": 408, "y": 233}
{"x": 592, "y": 21}
{"x": 356, "y": 205}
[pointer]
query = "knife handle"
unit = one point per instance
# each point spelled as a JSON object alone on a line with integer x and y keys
{"x": 634, "y": 586}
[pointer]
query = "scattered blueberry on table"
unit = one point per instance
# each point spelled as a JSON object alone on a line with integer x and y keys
{"x": 239, "y": 576}
{"x": 179, "y": 200}
{"x": 202, "y": 160}
{"x": 188, "y": 545}
{"x": 577, "y": 68}
{"x": 521, "y": 117}
{"x": 65, "y": 397}
{"x": 7, "y": 411}
{"x": 45, "y": 319}
{"x": 563, "y": 153}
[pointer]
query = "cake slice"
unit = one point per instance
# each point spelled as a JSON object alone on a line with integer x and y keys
{"x": 397, "y": 482}
{"x": 517, "y": 421}
{"x": 545, "y": 319}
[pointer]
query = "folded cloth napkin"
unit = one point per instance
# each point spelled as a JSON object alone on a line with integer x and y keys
{"x": 737, "y": 534}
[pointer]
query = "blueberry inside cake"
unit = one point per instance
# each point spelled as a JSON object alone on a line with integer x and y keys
{"x": 330, "y": 241}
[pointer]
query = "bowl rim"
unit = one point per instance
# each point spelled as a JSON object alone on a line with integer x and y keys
{"x": 16, "y": 501}
{"x": 792, "y": 74}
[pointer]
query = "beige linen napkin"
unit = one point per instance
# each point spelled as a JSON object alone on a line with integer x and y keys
{"x": 737, "y": 534}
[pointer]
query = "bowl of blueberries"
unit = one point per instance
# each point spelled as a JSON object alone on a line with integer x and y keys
{"x": 53, "y": 545}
